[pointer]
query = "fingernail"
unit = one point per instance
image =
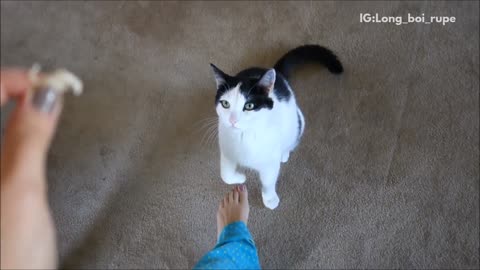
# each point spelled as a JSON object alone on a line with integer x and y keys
{"x": 242, "y": 187}
{"x": 44, "y": 100}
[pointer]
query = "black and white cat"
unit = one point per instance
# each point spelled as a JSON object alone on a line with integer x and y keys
{"x": 259, "y": 121}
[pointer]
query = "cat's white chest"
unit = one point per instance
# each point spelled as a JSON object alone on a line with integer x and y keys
{"x": 248, "y": 149}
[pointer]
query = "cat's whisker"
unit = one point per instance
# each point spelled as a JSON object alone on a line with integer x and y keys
{"x": 210, "y": 130}
{"x": 204, "y": 138}
{"x": 204, "y": 121}
{"x": 211, "y": 143}
{"x": 205, "y": 133}
{"x": 212, "y": 138}
{"x": 205, "y": 125}
{"x": 205, "y": 143}
{"x": 213, "y": 130}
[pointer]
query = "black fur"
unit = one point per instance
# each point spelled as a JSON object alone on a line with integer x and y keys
{"x": 308, "y": 54}
{"x": 229, "y": 83}
{"x": 280, "y": 89}
{"x": 259, "y": 95}
{"x": 254, "y": 93}
{"x": 251, "y": 91}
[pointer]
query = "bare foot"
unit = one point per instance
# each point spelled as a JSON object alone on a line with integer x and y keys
{"x": 233, "y": 207}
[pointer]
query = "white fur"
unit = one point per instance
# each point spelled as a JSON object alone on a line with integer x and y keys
{"x": 60, "y": 80}
{"x": 260, "y": 140}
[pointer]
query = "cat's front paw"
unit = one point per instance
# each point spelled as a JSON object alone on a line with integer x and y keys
{"x": 270, "y": 201}
{"x": 285, "y": 157}
{"x": 236, "y": 178}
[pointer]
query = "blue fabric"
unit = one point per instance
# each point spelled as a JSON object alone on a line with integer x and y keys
{"x": 235, "y": 250}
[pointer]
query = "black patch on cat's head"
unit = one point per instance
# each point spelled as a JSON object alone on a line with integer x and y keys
{"x": 255, "y": 90}
{"x": 256, "y": 93}
{"x": 281, "y": 89}
{"x": 224, "y": 82}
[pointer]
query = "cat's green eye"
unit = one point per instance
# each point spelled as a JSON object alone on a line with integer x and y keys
{"x": 249, "y": 106}
{"x": 225, "y": 104}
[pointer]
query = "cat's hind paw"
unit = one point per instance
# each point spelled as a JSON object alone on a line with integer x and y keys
{"x": 236, "y": 178}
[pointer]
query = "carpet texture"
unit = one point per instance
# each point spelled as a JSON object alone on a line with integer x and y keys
{"x": 387, "y": 174}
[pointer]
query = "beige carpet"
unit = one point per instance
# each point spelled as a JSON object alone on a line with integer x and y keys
{"x": 387, "y": 173}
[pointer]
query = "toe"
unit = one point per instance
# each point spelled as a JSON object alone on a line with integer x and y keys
{"x": 230, "y": 197}
{"x": 222, "y": 204}
{"x": 225, "y": 201}
{"x": 235, "y": 194}
{"x": 243, "y": 193}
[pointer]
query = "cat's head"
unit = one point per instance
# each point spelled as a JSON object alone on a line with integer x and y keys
{"x": 243, "y": 103}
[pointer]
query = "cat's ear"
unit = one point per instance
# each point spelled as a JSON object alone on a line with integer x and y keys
{"x": 268, "y": 80}
{"x": 220, "y": 76}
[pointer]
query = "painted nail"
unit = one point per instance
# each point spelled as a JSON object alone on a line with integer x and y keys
{"x": 44, "y": 100}
{"x": 242, "y": 187}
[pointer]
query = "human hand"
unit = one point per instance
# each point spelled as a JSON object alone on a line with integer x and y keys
{"x": 27, "y": 230}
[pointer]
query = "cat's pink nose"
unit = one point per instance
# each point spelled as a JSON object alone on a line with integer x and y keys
{"x": 233, "y": 119}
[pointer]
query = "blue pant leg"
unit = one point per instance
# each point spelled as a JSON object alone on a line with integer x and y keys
{"x": 235, "y": 250}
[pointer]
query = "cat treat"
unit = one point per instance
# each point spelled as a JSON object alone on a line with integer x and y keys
{"x": 60, "y": 81}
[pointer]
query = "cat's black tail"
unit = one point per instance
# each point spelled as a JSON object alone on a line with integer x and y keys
{"x": 308, "y": 54}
